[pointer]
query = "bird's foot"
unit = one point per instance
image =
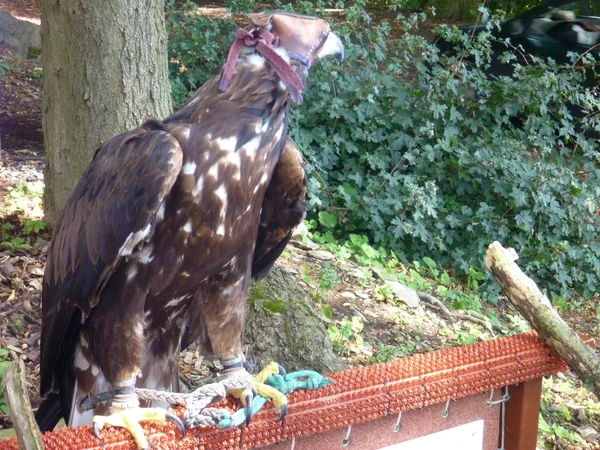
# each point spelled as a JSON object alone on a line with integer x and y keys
{"x": 260, "y": 387}
{"x": 130, "y": 419}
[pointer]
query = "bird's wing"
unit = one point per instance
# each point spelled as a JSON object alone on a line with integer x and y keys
{"x": 113, "y": 208}
{"x": 283, "y": 209}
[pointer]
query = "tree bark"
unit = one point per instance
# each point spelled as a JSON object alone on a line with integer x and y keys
{"x": 283, "y": 325}
{"x": 15, "y": 393}
{"x": 105, "y": 71}
{"x": 537, "y": 309}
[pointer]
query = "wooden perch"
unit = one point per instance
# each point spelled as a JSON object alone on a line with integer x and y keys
{"x": 15, "y": 394}
{"x": 537, "y": 309}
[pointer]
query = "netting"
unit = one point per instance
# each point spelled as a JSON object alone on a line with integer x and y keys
{"x": 356, "y": 396}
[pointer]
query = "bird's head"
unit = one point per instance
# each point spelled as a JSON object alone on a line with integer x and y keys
{"x": 306, "y": 39}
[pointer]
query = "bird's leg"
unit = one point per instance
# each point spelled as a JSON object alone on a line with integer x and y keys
{"x": 126, "y": 413}
{"x": 224, "y": 313}
{"x": 118, "y": 343}
{"x": 233, "y": 368}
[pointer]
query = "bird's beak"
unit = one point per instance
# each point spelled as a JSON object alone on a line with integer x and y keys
{"x": 332, "y": 46}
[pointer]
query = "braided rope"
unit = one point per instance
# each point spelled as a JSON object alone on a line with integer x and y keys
{"x": 196, "y": 402}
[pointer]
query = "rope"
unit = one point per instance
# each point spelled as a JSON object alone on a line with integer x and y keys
{"x": 197, "y": 412}
{"x": 196, "y": 402}
{"x": 304, "y": 379}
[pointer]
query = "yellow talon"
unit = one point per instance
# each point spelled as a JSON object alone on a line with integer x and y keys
{"x": 271, "y": 369}
{"x": 278, "y": 398}
{"x": 130, "y": 420}
{"x": 260, "y": 388}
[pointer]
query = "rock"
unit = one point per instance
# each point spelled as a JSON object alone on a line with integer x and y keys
{"x": 321, "y": 255}
{"x": 378, "y": 272}
{"x": 36, "y": 271}
{"x": 356, "y": 273}
{"x": 7, "y": 269}
{"x": 589, "y": 434}
{"x": 308, "y": 245}
{"x": 356, "y": 312}
{"x": 362, "y": 295}
{"x": 347, "y": 295}
{"x": 404, "y": 293}
{"x": 372, "y": 314}
{"x": 33, "y": 355}
{"x": 284, "y": 325}
{"x": 18, "y": 35}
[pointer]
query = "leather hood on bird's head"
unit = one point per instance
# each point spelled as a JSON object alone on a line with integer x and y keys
{"x": 305, "y": 38}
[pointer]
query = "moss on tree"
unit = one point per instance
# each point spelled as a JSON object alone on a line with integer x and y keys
{"x": 283, "y": 325}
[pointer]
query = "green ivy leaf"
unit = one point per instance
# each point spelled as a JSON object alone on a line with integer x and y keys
{"x": 327, "y": 219}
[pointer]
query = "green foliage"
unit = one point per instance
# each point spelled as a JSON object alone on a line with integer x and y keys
{"x": 461, "y": 337}
{"x": 473, "y": 278}
{"x": 556, "y": 430}
{"x": 384, "y": 293}
{"x": 241, "y": 6}
{"x": 326, "y": 280}
{"x": 32, "y": 188}
{"x": 35, "y": 74}
{"x": 427, "y": 155}
{"x": 10, "y": 63}
{"x": 387, "y": 353}
{"x": 328, "y": 277}
{"x": 357, "y": 247}
{"x": 345, "y": 334}
{"x": 32, "y": 226}
{"x": 197, "y": 46}
{"x": 11, "y": 237}
{"x": 430, "y": 156}
{"x": 9, "y": 240}
{"x": 327, "y": 219}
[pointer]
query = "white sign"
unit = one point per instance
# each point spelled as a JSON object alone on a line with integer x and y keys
{"x": 464, "y": 437}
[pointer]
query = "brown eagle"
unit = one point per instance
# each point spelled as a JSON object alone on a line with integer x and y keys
{"x": 158, "y": 242}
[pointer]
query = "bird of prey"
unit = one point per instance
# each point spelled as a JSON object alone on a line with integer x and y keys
{"x": 157, "y": 244}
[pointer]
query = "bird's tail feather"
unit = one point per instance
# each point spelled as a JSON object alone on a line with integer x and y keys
{"x": 56, "y": 406}
{"x": 49, "y": 412}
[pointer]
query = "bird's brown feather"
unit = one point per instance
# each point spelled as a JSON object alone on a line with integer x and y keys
{"x": 283, "y": 209}
{"x": 106, "y": 208}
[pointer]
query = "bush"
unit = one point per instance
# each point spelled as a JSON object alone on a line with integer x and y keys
{"x": 197, "y": 46}
{"x": 430, "y": 156}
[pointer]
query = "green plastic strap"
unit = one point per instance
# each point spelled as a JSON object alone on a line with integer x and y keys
{"x": 303, "y": 379}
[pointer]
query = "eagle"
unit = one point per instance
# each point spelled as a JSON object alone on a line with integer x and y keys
{"x": 157, "y": 244}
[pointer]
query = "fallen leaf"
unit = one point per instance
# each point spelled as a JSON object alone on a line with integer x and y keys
{"x": 37, "y": 272}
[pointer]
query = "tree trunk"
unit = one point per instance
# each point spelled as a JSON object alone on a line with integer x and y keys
{"x": 105, "y": 71}
{"x": 283, "y": 325}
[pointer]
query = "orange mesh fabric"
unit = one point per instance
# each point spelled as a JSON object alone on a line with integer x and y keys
{"x": 356, "y": 396}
